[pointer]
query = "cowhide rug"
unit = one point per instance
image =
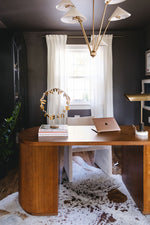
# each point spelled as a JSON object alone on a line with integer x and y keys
{"x": 92, "y": 199}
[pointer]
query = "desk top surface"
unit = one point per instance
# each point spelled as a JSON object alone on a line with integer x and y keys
{"x": 83, "y": 135}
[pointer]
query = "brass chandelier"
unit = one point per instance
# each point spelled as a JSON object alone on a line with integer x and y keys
{"x": 74, "y": 16}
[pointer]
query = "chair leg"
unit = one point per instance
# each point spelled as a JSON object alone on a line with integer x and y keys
{"x": 103, "y": 159}
{"x": 68, "y": 162}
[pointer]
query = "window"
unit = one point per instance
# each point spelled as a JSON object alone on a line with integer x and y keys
{"x": 81, "y": 73}
{"x": 91, "y": 84}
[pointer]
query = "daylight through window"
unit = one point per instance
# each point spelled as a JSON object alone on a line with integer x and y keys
{"x": 81, "y": 73}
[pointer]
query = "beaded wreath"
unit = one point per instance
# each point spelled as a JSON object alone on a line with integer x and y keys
{"x": 43, "y": 102}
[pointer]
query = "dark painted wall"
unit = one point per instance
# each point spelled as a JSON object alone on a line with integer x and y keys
{"x": 6, "y": 74}
{"x": 147, "y": 38}
{"x": 128, "y": 69}
{"x": 37, "y": 75}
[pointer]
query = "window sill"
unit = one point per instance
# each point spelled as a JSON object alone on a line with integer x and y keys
{"x": 80, "y": 105}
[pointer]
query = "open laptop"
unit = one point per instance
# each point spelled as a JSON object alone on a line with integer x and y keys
{"x": 105, "y": 124}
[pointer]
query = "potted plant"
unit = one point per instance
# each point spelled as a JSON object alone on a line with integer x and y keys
{"x": 8, "y": 139}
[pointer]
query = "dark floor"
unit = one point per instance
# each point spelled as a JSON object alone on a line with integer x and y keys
{"x": 9, "y": 184}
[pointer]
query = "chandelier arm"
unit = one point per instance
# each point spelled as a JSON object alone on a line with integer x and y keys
{"x": 93, "y": 29}
{"x": 108, "y": 2}
{"x": 84, "y": 33}
{"x": 104, "y": 12}
{"x": 103, "y": 35}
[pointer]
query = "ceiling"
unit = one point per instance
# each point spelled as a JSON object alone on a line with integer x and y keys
{"x": 41, "y": 15}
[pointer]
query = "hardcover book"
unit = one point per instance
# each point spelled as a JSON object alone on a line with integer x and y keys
{"x": 52, "y": 133}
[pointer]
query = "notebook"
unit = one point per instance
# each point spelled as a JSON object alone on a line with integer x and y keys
{"x": 105, "y": 124}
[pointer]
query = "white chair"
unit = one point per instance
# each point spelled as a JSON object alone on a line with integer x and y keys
{"x": 103, "y": 154}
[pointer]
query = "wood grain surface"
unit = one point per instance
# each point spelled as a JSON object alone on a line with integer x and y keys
{"x": 38, "y": 180}
{"x": 82, "y": 135}
{"x": 146, "y": 181}
{"x": 132, "y": 172}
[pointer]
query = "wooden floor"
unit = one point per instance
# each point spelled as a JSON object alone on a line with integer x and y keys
{"x": 9, "y": 184}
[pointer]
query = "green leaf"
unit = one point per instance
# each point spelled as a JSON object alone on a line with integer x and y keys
{"x": 7, "y": 131}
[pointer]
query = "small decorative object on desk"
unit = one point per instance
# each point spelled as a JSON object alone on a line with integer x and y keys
{"x": 47, "y": 133}
{"x": 59, "y": 115}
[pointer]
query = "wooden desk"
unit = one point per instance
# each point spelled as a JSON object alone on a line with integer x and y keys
{"x": 38, "y": 183}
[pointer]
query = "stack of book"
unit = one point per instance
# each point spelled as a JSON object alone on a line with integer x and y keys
{"x": 45, "y": 133}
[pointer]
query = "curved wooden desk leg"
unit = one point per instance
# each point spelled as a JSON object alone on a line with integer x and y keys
{"x": 38, "y": 184}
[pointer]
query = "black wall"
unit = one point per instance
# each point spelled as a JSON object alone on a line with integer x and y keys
{"x": 6, "y": 74}
{"x": 37, "y": 75}
{"x": 128, "y": 70}
{"x": 147, "y": 38}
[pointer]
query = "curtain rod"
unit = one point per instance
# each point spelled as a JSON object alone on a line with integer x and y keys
{"x": 88, "y": 36}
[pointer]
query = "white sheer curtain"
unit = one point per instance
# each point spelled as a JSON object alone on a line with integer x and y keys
{"x": 97, "y": 94}
{"x": 108, "y": 76}
{"x": 55, "y": 69}
{"x": 102, "y": 98}
{"x": 101, "y": 80}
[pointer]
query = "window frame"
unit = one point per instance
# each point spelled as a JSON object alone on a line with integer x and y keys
{"x": 78, "y": 104}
